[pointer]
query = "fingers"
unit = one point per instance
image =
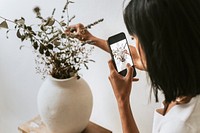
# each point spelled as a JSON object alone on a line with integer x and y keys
{"x": 111, "y": 65}
{"x": 129, "y": 74}
{"x": 135, "y": 79}
{"x": 80, "y": 29}
{"x": 113, "y": 71}
{"x": 76, "y": 31}
{"x": 75, "y": 28}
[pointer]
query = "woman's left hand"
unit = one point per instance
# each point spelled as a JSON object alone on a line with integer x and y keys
{"x": 121, "y": 85}
{"x": 80, "y": 32}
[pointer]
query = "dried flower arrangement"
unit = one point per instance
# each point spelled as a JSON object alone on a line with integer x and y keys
{"x": 57, "y": 54}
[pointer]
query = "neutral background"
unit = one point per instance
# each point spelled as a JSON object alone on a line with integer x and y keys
{"x": 19, "y": 83}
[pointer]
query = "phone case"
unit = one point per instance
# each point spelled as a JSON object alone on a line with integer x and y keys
{"x": 120, "y": 53}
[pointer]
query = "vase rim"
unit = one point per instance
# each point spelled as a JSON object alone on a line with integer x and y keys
{"x": 61, "y": 80}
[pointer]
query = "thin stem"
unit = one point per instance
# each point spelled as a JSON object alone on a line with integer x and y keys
{"x": 8, "y": 20}
{"x": 93, "y": 24}
{"x": 60, "y": 25}
{"x": 67, "y": 13}
{"x": 46, "y": 35}
{"x": 37, "y": 39}
{"x": 54, "y": 39}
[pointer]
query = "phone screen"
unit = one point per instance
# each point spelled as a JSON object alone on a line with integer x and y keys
{"x": 121, "y": 54}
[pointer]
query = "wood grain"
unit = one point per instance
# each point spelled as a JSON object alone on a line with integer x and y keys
{"x": 37, "y": 126}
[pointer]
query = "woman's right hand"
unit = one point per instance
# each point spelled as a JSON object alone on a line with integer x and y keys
{"x": 121, "y": 85}
{"x": 80, "y": 32}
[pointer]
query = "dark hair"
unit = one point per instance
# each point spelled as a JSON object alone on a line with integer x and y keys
{"x": 169, "y": 34}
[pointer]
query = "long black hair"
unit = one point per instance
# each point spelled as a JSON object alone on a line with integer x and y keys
{"x": 169, "y": 35}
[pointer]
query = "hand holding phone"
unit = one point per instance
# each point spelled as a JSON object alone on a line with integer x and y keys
{"x": 120, "y": 53}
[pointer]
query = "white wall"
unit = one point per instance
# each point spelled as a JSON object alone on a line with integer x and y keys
{"x": 19, "y": 84}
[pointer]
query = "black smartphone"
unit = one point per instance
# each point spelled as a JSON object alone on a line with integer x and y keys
{"x": 120, "y": 53}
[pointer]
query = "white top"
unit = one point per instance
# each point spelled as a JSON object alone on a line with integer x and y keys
{"x": 183, "y": 118}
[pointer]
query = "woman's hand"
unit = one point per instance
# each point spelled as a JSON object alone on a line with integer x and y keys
{"x": 80, "y": 32}
{"x": 121, "y": 85}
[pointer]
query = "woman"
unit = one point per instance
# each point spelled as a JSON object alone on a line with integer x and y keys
{"x": 167, "y": 35}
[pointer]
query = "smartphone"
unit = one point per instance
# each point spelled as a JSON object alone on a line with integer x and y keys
{"x": 120, "y": 53}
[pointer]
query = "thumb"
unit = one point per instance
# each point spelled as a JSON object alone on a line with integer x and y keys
{"x": 129, "y": 71}
{"x": 111, "y": 65}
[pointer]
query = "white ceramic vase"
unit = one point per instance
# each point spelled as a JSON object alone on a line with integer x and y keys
{"x": 65, "y": 105}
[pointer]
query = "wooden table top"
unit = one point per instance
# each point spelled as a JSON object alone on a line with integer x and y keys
{"x": 36, "y": 125}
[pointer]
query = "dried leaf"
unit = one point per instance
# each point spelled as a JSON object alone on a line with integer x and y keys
{"x": 70, "y": 1}
{"x": 35, "y": 45}
{"x": 41, "y": 50}
{"x": 83, "y": 43}
{"x": 20, "y": 21}
{"x": 23, "y": 38}
{"x": 63, "y": 35}
{"x": 7, "y": 33}
{"x": 77, "y": 60}
{"x": 39, "y": 34}
{"x": 43, "y": 46}
{"x": 43, "y": 28}
{"x": 36, "y": 9}
{"x": 29, "y": 28}
{"x": 53, "y": 11}
{"x": 4, "y": 25}
{"x": 86, "y": 66}
{"x": 71, "y": 18}
{"x": 63, "y": 24}
{"x": 56, "y": 43}
{"x": 21, "y": 47}
{"x": 19, "y": 34}
{"x": 50, "y": 22}
{"x": 38, "y": 16}
{"x": 47, "y": 53}
{"x": 92, "y": 60}
{"x": 50, "y": 46}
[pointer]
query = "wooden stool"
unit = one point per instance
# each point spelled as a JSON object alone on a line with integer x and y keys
{"x": 37, "y": 126}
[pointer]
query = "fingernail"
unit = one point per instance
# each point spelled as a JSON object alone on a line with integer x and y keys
{"x": 128, "y": 65}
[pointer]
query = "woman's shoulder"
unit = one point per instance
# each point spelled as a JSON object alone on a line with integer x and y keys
{"x": 181, "y": 118}
{"x": 186, "y": 111}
